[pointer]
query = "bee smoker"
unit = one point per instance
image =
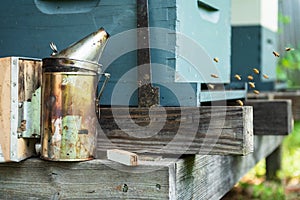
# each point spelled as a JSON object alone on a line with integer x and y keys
{"x": 69, "y": 84}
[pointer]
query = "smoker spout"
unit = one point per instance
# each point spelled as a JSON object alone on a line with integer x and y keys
{"x": 90, "y": 48}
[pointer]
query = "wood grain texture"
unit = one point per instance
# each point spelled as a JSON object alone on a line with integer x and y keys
{"x": 96, "y": 179}
{"x": 294, "y": 96}
{"x": 271, "y": 117}
{"x": 192, "y": 177}
{"x": 5, "y": 95}
{"x": 30, "y": 78}
{"x": 175, "y": 130}
{"x": 211, "y": 177}
{"x": 273, "y": 164}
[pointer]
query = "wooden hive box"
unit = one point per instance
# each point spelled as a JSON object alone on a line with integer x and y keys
{"x": 20, "y": 79}
{"x": 254, "y": 38}
{"x": 186, "y": 38}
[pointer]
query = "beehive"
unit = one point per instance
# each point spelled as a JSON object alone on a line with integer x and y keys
{"x": 192, "y": 34}
{"x": 254, "y": 29}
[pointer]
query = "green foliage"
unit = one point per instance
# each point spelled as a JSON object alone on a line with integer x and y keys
{"x": 254, "y": 187}
{"x": 263, "y": 191}
{"x": 288, "y": 67}
{"x": 270, "y": 190}
{"x": 284, "y": 19}
{"x": 291, "y": 154}
{"x": 290, "y": 60}
{"x": 292, "y": 142}
{"x": 281, "y": 73}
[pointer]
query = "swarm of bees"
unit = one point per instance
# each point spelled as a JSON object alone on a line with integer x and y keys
{"x": 250, "y": 83}
{"x": 256, "y": 71}
{"x": 249, "y": 77}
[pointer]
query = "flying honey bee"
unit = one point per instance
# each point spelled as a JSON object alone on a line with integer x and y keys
{"x": 276, "y": 54}
{"x": 211, "y": 86}
{"x": 214, "y": 75}
{"x": 266, "y": 76}
{"x": 256, "y": 71}
{"x": 216, "y": 59}
{"x": 240, "y": 102}
{"x": 288, "y": 49}
{"x": 256, "y": 92}
{"x": 250, "y": 78}
{"x": 238, "y": 77}
{"x": 252, "y": 85}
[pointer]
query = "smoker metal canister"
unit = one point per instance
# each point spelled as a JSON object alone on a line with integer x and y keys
{"x": 69, "y": 119}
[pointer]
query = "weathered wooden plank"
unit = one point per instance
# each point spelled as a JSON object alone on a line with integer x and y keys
{"x": 5, "y": 96}
{"x": 30, "y": 78}
{"x": 294, "y": 96}
{"x": 96, "y": 179}
{"x": 271, "y": 117}
{"x": 177, "y": 130}
{"x": 20, "y": 78}
{"x": 192, "y": 177}
{"x": 273, "y": 164}
{"x": 210, "y": 177}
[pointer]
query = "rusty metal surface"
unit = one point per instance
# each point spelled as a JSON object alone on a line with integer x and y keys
{"x": 68, "y": 116}
{"x": 147, "y": 94}
{"x": 88, "y": 49}
{"x": 70, "y": 79}
{"x": 18, "y": 86}
{"x": 29, "y": 116}
{"x": 69, "y": 65}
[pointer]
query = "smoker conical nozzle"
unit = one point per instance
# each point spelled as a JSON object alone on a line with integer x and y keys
{"x": 89, "y": 48}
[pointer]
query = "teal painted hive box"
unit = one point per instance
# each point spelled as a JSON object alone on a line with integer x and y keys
{"x": 254, "y": 39}
{"x": 184, "y": 38}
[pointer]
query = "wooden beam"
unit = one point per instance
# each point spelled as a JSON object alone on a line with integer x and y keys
{"x": 271, "y": 117}
{"x": 193, "y": 177}
{"x": 211, "y": 177}
{"x": 147, "y": 94}
{"x": 294, "y": 96}
{"x": 273, "y": 164}
{"x": 177, "y": 130}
